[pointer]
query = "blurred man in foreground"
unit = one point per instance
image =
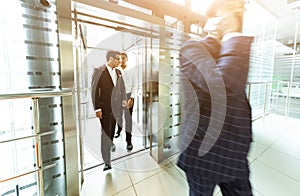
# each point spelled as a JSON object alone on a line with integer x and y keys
{"x": 216, "y": 129}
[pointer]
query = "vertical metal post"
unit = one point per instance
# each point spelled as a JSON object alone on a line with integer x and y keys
{"x": 38, "y": 145}
{"x": 294, "y": 54}
{"x": 265, "y": 100}
{"x": 150, "y": 95}
{"x": 78, "y": 90}
{"x": 67, "y": 70}
{"x": 144, "y": 53}
{"x": 277, "y": 95}
{"x": 17, "y": 190}
{"x": 287, "y": 101}
{"x": 249, "y": 90}
{"x": 287, "y": 109}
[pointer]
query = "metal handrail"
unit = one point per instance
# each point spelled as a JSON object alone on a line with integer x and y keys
{"x": 30, "y": 172}
{"x": 287, "y": 93}
{"x": 26, "y": 137}
{"x": 36, "y": 94}
{"x": 261, "y": 82}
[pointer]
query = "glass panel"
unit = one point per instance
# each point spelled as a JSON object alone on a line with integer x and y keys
{"x": 25, "y": 185}
{"x": 18, "y": 157}
{"x": 13, "y": 76}
{"x": 28, "y": 60}
{"x": 115, "y": 32}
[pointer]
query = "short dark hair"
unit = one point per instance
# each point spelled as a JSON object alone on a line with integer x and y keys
{"x": 112, "y": 53}
{"x": 124, "y": 53}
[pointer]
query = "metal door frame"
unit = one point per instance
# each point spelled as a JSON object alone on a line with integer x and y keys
{"x": 114, "y": 8}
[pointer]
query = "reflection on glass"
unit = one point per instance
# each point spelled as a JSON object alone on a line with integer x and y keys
{"x": 17, "y": 157}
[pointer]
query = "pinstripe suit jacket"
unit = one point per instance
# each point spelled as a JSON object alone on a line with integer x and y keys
{"x": 216, "y": 128}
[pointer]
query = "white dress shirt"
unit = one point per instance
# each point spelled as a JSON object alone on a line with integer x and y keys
{"x": 230, "y": 35}
{"x": 130, "y": 80}
{"x": 112, "y": 73}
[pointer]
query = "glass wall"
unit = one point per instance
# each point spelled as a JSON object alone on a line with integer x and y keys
{"x": 101, "y": 31}
{"x": 274, "y": 73}
{"x": 17, "y": 157}
{"x": 29, "y": 62}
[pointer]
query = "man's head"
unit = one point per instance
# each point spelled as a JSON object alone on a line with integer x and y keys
{"x": 231, "y": 12}
{"x": 123, "y": 60}
{"x": 112, "y": 58}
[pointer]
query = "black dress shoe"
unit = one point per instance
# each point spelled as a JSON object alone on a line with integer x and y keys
{"x": 113, "y": 148}
{"x": 117, "y": 135}
{"x": 107, "y": 166}
{"x": 129, "y": 146}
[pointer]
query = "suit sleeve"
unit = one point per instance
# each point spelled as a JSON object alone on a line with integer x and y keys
{"x": 122, "y": 87}
{"x": 234, "y": 64}
{"x": 134, "y": 81}
{"x": 96, "y": 89}
{"x": 197, "y": 65}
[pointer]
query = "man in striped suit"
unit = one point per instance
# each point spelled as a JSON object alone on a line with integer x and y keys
{"x": 216, "y": 129}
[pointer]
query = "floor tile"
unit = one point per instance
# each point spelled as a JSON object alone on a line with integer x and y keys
{"x": 270, "y": 182}
{"x": 256, "y": 149}
{"x": 289, "y": 142}
{"x": 91, "y": 139}
{"x": 217, "y": 191}
{"x": 127, "y": 192}
{"x": 267, "y": 131}
{"x": 256, "y": 193}
{"x": 180, "y": 171}
{"x": 106, "y": 183}
{"x": 173, "y": 159}
{"x": 282, "y": 162}
{"x": 166, "y": 183}
{"x": 274, "y": 159}
{"x": 141, "y": 167}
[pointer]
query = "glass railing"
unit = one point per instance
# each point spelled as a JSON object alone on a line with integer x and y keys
{"x": 22, "y": 164}
{"x": 278, "y": 97}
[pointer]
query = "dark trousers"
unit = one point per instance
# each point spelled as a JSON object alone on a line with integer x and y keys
{"x": 202, "y": 187}
{"x": 128, "y": 121}
{"x": 108, "y": 125}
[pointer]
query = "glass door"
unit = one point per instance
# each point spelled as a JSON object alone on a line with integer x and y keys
{"x": 98, "y": 33}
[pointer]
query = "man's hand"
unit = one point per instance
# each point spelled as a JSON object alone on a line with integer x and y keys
{"x": 130, "y": 103}
{"x": 231, "y": 12}
{"x": 228, "y": 24}
{"x": 124, "y": 103}
{"x": 99, "y": 114}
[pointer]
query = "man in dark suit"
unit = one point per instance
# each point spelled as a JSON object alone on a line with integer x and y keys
{"x": 108, "y": 96}
{"x": 216, "y": 128}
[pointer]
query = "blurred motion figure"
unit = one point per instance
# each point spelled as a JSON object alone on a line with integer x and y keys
{"x": 216, "y": 131}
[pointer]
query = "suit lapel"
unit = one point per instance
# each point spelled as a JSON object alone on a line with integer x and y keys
{"x": 108, "y": 76}
{"x": 118, "y": 72}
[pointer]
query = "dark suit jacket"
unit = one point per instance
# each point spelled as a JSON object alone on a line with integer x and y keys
{"x": 104, "y": 94}
{"x": 216, "y": 112}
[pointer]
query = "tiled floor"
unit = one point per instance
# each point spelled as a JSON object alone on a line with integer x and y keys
{"x": 274, "y": 163}
{"x": 92, "y": 138}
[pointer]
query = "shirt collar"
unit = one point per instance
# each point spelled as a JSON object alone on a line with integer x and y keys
{"x": 109, "y": 68}
{"x": 230, "y": 35}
